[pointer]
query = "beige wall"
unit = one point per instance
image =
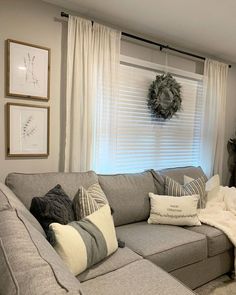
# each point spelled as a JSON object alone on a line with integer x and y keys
{"x": 37, "y": 22}
{"x": 32, "y": 21}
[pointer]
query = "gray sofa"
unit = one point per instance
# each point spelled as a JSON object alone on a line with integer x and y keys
{"x": 157, "y": 259}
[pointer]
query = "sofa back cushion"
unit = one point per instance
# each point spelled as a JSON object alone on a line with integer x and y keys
{"x": 27, "y": 186}
{"x": 178, "y": 173}
{"x": 29, "y": 263}
{"x": 127, "y": 194}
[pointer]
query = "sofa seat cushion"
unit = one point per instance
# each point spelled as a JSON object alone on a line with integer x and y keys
{"x": 27, "y": 186}
{"x": 31, "y": 264}
{"x": 127, "y": 194}
{"x": 168, "y": 246}
{"x": 137, "y": 278}
{"x": 122, "y": 257}
{"x": 217, "y": 241}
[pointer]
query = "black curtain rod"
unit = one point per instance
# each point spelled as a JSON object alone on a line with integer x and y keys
{"x": 162, "y": 46}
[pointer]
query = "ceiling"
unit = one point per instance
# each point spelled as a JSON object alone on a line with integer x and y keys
{"x": 202, "y": 26}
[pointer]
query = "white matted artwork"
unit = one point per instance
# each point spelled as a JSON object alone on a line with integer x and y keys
{"x": 28, "y": 72}
{"x": 28, "y": 130}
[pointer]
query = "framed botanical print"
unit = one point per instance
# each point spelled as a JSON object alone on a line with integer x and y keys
{"x": 27, "y": 130}
{"x": 28, "y": 70}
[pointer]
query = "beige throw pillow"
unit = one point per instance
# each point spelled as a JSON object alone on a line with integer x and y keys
{"x": 84, "y": 243}
{"x": 88, "y": 201}
{"x": 174, "y": 211}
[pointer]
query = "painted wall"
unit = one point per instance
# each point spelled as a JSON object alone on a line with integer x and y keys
{"x": 39, "y": 23}
{"x": 35, "y": 22}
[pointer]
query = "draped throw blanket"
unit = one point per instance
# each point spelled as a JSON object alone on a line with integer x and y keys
{"x": 92, "y": 73}
{"x": 220, "y": 212}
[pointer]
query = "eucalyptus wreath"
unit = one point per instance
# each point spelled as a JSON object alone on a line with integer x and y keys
{"x": 164, "y": 96}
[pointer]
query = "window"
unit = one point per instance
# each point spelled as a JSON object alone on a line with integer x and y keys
{"x": 130, "y": 140}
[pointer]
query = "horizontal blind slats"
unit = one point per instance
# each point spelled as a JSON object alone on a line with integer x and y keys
{"x": 139, "y": 141}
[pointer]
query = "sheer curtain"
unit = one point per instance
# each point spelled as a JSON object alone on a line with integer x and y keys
{"x": 214, "y": 124}
{"x": 92, "y": 67}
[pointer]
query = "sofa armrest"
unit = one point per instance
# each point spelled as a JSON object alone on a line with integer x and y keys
{"x": 29, "y": 263}
{"x": 8, "y": 200}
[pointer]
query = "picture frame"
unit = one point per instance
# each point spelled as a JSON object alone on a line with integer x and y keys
{"x": 28, "y": 70}
{"x": 27, "y": 130}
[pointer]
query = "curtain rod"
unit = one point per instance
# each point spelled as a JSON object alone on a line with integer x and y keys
{"x": 162, "y": 46}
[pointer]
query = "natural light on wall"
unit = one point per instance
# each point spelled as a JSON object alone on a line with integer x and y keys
{"x": 129, "y": 139}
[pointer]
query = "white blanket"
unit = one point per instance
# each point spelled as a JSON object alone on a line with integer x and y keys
{"x": 220, "y": 212}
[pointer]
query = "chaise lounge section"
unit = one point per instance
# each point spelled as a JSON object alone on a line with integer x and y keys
{"x": 157, "y": 259}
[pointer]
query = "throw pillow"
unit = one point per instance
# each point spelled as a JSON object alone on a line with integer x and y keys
{"x": 84, "y": 243}
{"x": 211, "y": 188}
{"x": 213, "y": 183}
{"x": 55, "y": 206}
{"x": 195, "y": 187}
{"x": 187, "y": 179}
{"x": 88, "y": 201}
{"x": 174, "y": 211}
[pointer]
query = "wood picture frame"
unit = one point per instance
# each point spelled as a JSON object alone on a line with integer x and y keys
{"x": 27, "y": 130}
{"x": 28, "y": 70}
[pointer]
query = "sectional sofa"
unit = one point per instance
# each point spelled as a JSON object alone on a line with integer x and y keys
{"x": 157, "y": 259}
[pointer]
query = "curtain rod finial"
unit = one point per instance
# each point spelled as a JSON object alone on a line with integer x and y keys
{"x": 63, "y": 14}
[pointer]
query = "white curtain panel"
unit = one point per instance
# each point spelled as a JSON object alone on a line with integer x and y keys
{"x": 213, "y": 142}
{"x": 92, "y": 62}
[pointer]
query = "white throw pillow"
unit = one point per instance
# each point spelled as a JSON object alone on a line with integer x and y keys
{"x": 212, "y": 183}
{"x": 187, "y": 179}
{"x": 174, "y": 210}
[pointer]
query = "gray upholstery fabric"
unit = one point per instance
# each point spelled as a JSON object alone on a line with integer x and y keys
{"x": 35, "y": 265}
{"x": 137, "y": 278}
{"x": 27, "y": 186}
{"x": 178, "y": 173}
{"x": 170, "y": 247}
{"x": 9, "y": 200}
{"x": 217, "y": 241}
{"x": 8, "y": 283}
{"x": 120, "y": 258}
{"x": 127, "y": 194}
{"x": 4, "y": 203}
{"x": 200, "y": 273}
{"x": 159, "y": 181}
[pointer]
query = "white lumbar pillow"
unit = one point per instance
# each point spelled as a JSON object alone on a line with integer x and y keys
{"x": 174, "y": 210}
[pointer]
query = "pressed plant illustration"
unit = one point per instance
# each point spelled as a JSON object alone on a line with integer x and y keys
{"x": 28, "y": 128}
{"x": 30, "y": 76}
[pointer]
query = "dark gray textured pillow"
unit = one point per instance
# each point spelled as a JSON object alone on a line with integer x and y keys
{"x": 55, "y": 206}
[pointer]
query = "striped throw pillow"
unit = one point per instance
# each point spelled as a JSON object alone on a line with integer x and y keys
{"x": 195, "y": 187}
{"x": 84, "y": 243}
{"x": 88, "y": 201}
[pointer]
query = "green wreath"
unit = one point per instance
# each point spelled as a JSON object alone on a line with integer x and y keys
{"x": 164, "y": 96}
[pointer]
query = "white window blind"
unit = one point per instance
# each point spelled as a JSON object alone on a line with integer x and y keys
{"x": 136, "y": 141}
